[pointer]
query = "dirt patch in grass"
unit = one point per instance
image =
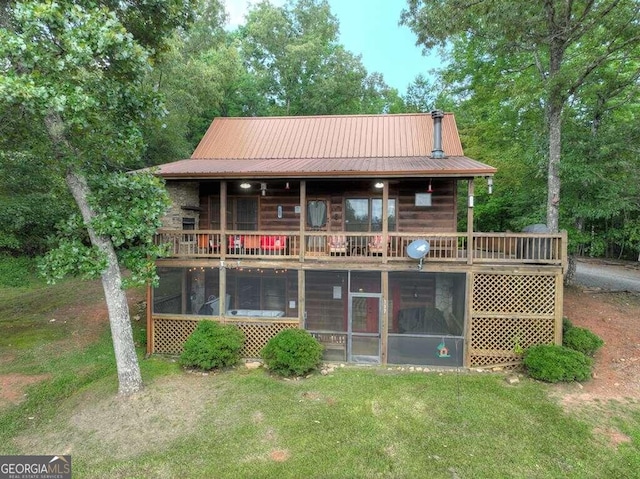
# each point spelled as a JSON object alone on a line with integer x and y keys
{"x": 614, "y": 317}
{"x": 280, "y": 455}
{"x": 12, "y": 387}
{"x": 82, "y": 322}
{"x": 612, "y": 436}
{"x": 127, "y": 426}
{"x": 87, "y": 321}
{"x": 7, "y": 358}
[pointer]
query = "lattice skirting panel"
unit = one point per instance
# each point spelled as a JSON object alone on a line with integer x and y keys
{"x": 257, "y": 335}
{"x": 510, "y": 312}
{"x": 501, "y": 340}
{"x": 170, "y": 335}
{"x": 514, "y": 293}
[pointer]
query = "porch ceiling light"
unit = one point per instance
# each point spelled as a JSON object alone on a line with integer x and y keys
{"x": 245, "y": 186}
{"x": 379, "y": 184}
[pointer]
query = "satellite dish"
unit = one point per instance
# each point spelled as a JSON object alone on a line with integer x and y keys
{"x": 418, "y": 249}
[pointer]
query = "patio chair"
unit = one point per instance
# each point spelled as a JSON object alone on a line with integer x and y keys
{"x": 273, "y": 244}
{"x": 206, "y": 244}
{"x": 236, "y": 243}
{"x": 338, "y": 244}
{"x": 376, "y": 245}
{"x": 212, "y": 305}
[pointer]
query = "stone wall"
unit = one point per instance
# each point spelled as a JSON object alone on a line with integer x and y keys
{"x": 182, "y": 194}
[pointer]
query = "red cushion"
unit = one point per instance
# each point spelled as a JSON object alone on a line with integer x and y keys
{"x": 273, "y": 242}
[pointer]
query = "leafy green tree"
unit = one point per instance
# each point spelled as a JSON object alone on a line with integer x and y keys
{"x": 127, "y": 208}
{"x": 563, "y": 44}
{"x": 286, "y": 60}
{"x": 599, "y": 169}
{"x": 31, "y": 202}
{"x": 301, "y": 69}
{"x": 200, "y": 76}
{"x": 421, "y": 95}
{"x": 74, "y": 70}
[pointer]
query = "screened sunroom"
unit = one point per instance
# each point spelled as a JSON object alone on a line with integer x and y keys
{"x": 344, "y": 310}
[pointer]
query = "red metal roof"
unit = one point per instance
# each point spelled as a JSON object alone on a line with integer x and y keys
{"x": 308, "y": 168}
{"x": 314, "y": 146}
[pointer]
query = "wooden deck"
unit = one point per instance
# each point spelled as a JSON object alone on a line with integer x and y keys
{"x": 486, "y": 248}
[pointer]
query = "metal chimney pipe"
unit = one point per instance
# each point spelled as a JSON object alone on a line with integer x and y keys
{"x": 437, "y": 151}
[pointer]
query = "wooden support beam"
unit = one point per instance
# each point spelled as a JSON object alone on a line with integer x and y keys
{"x": 466, "y": 360}
{"x": 385, "y": 220}
{"x": 183, "y": 302}
{"x": 303, "y": 217}
{"x": 223, "y": 220}
{"x": 559, "y": 300}
{"x": 302, "y": 304}
{"x": 470, "y": 203}
{"x": 564, "y": 260}
{"x": 149, "y": 320}
{"x": 222, "y": 291}
{"x": 384, "y": 333}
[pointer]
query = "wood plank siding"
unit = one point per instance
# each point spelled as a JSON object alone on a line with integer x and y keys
{"x": 440, "y": 217}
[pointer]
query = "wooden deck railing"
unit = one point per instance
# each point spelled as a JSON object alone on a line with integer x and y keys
{"x": 517, "y": 248}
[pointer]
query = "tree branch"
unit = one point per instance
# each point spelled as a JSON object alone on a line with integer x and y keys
{"x": 599, "y": 61}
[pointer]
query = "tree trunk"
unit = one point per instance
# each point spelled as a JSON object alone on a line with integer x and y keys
{"x": 129, "y": 377}
{"x": 556, "y": 25}
{"x": 570, "y": 274}
{"x": 553, "y": 178}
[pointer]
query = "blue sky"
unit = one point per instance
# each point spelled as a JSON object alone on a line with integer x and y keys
{"x": 370, "y": 28}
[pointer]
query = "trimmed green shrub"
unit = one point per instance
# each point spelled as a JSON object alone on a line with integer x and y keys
{"x": 292, "y": 352}
{"x": 583, "y": 340}
{"x": 566, "y": 325}
{"x": 552, "y": 363}
{"x": 212, "y": 345}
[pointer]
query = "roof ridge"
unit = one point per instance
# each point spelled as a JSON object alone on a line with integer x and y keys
{"x": 297, "y": 117}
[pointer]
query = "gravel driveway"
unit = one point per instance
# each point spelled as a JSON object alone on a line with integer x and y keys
{"x": 608, "y": 276}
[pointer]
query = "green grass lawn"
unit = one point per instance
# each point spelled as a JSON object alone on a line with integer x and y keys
{"x": 355, "y": 422}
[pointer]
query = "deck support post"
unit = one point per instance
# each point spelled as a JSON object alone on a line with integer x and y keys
{"x": 384, "y": 333}
{"x": 150, "y": 338}
{"x": 468, "y": 331}
{"x": 470, "y": 202}
{"x": 385, "y": 221}
{"x": 302, "y": 305}
{"x": 223, "y": 222}
{"x": 222, "y": 293}
{"x": 303, "y": 217}
{"x": 559, "y": 300}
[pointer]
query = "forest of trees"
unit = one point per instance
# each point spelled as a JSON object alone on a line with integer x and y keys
{"x": 512, "y": 76}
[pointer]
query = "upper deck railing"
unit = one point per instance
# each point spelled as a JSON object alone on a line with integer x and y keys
{"x": 514, "y": 248}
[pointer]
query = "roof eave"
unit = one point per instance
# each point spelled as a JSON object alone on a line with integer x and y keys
{"x": 333, "y": 174}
